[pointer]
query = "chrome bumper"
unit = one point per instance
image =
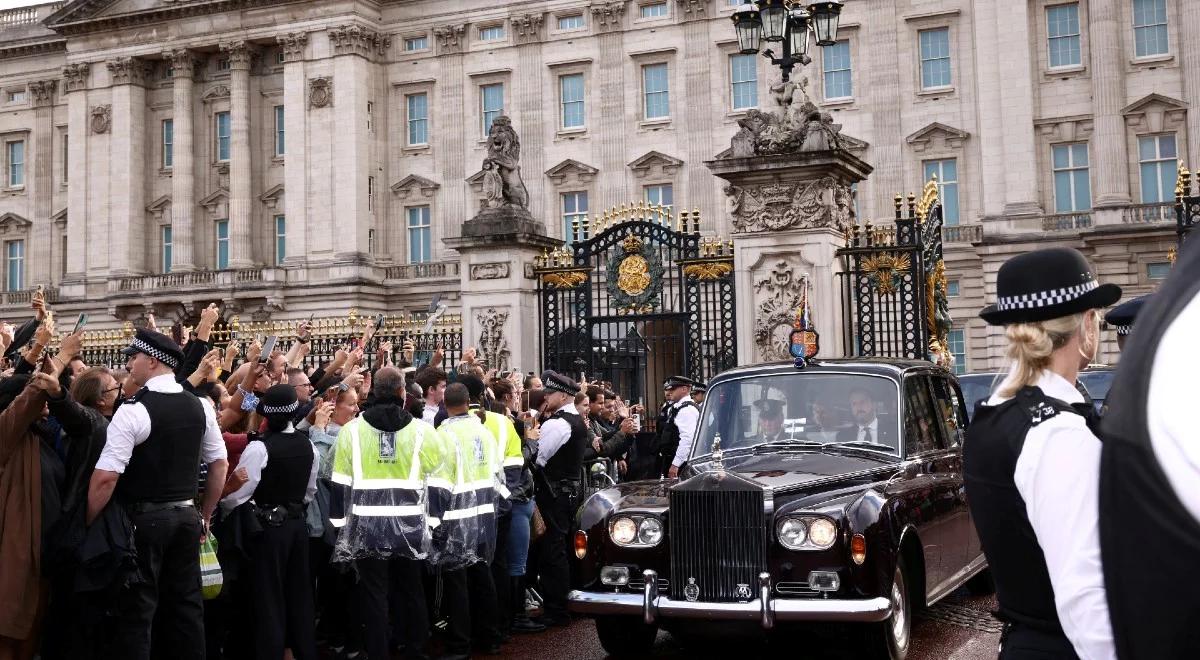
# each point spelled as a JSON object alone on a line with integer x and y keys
{"x": 765, "y": 609}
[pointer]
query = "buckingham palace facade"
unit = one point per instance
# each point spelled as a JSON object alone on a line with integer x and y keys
{"x": 291, "y": 158}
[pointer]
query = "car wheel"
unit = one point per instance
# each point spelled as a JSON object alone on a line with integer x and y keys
{"x": 889, "y": 640}
{"x": 625, "y": 636}
{"x": 982, "y": 584}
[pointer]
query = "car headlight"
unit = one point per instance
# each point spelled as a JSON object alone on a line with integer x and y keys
{"x": 806, "y": 532}
{"x": 792, "y": 533}
{"x": 638, "y": 531}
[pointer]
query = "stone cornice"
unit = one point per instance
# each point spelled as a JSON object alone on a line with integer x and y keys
{"x": 127, "y": 70}
{"x": 358, "y": 40}
{"x": 42, "y": 92}
{"x": 450, "y": 38}
{"x": 527, "y": 28}
{"x": 81, "y": 17}
{"x": 239, "y": 53}
{"x": 32, "y": 47}
{"x": 293, "y": 45}
{"x": 608, "y": 16}
{"x": 75, "y": 76}
{"x": 183, "y": 62}
{"x": 693, "y": 10}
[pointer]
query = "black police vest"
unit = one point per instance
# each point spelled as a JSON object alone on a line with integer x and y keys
{"x": 289, "y": 464}
{"x": 1149, "y": 542}
{"x": 567, "y": 462}
{"x": 668, "y": 432}
{"x": 164, "y": 467}
{"x": 993, "y": 444}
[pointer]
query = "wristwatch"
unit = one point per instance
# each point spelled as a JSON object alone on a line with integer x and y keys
{"x": 343, "y": 387}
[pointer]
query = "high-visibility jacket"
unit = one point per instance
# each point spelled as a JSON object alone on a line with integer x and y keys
{"x": 475, "y": 476}
{"x": 509, "y": 446}
{"x": 391, "y": 492}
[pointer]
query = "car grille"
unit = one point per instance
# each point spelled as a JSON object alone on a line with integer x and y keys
{"x": 638, "y": 584}
{"x": 718, "y": 543}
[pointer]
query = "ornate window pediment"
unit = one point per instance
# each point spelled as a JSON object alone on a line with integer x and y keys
{"x": 217, "y": 203}
{"x": 11, "y": 223}
{"x": 271, "y": 197}
{"x": 1155, "y": 113}
{"x": 60, "y": 219}
{"x": 571, "y": 168}
{"x": 404, "y": 188}
{"x": 668, "y": 165}
{"x": 935, "y": 135}
{"x": 214, "y": 93}
{"x": 158, "y": 206}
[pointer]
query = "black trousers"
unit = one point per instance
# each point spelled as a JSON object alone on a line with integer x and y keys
{"x": 500, "y": 575}
{"x": 405, "y": 577}
{"x": 552, "y": 564}
{"x": 469, "y": 601}
{"x": 168, "y": 601}
{"x": 1024, "y": 643}
{"x": 283, "y": 594}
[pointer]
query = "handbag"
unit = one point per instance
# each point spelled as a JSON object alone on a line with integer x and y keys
{"x": 537, "y": 525}
{"x": 211, "y": 578}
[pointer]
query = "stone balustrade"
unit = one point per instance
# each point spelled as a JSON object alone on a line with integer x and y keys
{"x": 432, "y": 270}
{"x": 1067, "y": 221}
{"x": 1139, "y": 214}
{"x": 962, "y": 234}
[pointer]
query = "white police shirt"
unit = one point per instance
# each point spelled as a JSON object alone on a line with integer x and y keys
{"x": 554, "y": 434}
{"x": 254, "y": 459}
{"x": 1058, "y": 477}
{"x": 130, "y": 427}
{"x": 687, "y": 421}
{"x": 1170, "y": 412}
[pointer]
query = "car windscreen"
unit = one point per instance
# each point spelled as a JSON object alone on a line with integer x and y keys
{"x": 976, "y": 388}
{"x": 1097, "y": 383}
{"x": 805, "y": 406}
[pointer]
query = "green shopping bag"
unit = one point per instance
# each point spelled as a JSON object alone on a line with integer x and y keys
{"x": 210, "y": 569}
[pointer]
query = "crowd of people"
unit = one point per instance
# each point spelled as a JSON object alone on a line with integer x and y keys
{"x": 359, "y": 510}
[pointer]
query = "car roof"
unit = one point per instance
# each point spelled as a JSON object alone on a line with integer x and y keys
{"x": 890, "y": 367}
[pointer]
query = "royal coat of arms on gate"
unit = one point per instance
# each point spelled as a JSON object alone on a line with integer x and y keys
{"x": 634, "y": 276}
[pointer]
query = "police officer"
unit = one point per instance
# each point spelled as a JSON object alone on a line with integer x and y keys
{"x": 1032, "y": 466}
{"x": 1150, "y": 479}
{"x": 281, "y": 477}
{"x": 699, "y": 392}
{"x": 677, "y": 430}
{"x": 155, "y": 444}
{"x": 560, "y": 456}
{"x": 1122, "y": 317}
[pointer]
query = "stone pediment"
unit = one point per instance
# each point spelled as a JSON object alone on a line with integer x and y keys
{"x": 948, "y": 136}
{"x": 1151, "y": 100}
{"x": 78, "y": 16}
{"x": 12, "y": 221}
{"x": 60, "y": 218}
{"x": 271, "y": 197}
{"x": 852, "y": 143}
{"x": 571, "y": 168}
{"x": 668, "y": 164}
{"x": 159, "y": 205}
{"x": 1155, "y": 113}
{"x": 218, "y": 92}
{"x": 217, "y": 203}
{"x": 413, "y": 183}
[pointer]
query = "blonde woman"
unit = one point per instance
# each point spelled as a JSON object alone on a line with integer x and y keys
{"x": 1032, "y": 466}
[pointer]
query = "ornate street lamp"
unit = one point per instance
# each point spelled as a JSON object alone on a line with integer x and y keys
{"x": 790, "y": 23}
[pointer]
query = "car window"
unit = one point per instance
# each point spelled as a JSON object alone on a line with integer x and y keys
{"x": 976, "y": 388}
{"x": 920, "y": 436}
{"x": 804, "y": 405}
{"x": 1097, "y": 383}
{"x": 952, "y": 416}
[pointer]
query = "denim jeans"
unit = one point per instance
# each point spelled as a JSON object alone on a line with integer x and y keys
{"x": 518, "y": 537}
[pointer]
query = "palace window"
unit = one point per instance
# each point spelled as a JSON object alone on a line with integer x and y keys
{"x": 958, "y": 348}
{"x": 491, "y": 33}
{"x": 418, "y": 118}
{"x": 416, "y": 43}
{"x": 835, "y": 64}
{"x": 571, "y": 92}
{"x": 1062, "y": 28}
{"x": 1072, "y": 186}
{"x": 420, "y": 242}
{"x": 1150, "y": 27}
{"x": 16, "y": 163}
{"x": 280, "y": 239}
{"x": 743, "y": 81}
{"x": 574, "y": 214}
{"x": 222, "y": 120}
{"x": 1156, "y": 161}
{"x": 14, "y": 252}
{"x": 222, "y": 230}
{"x": 935, "y": 58}
{"x": 1158, "y": 271}
{"x": 952, "y": 288}
{"x": 947, "y": 178}
{"x": 570, "y": 22}
{"x": 279, "y": 134}
{"x": 660, "y": 194}
{"x": 657, "y": 91}
{"x": 654, "y": 10}
{"x": 167, "y": 248}
{"x": 168, "y": 143}
{"x": 491, "y": 98}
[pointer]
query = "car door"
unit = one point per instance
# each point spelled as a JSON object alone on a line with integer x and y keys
{"x": 952, "y": 425}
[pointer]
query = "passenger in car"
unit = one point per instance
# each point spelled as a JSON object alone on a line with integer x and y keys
{"x": 866, "y": 426}
{"x": 770, "y": 421}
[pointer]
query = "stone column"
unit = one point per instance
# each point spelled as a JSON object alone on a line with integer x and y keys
{"x": 1110, "y": 156}
{"x": 453, "y": 209}
{"x": 989, "y": 92}
{"x": 883, "y": 86}
{"x": 701, "y": 188}
{"x": 529, "y": 100}
{"x": 295, "y": 171}
{"x": 75, "y": 82}
{"x": 241, "y": 250}
{"x": 1021, "y": 183}
{"x": 1189, "y": 57}
{"x": 42, "y": 237}
{"x": 127, "y": 217}
{"x": 607, "y": 22}
{"x": 183, "y": 167}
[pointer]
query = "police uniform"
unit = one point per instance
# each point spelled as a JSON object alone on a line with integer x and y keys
{"x": 1122, "y": 317}
{"x": 1149, "y": 482}
{"x": 282, "y": 479}
{"x": 1031, "y": 473}
{"x": 563, "y": 439}
{"x": 156, "y": 442}
{"x": 677, "y": 431}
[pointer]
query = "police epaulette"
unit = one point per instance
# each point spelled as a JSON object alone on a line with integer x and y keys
{"x": 137, "y": 396}
{"x": 1039, "y": 408}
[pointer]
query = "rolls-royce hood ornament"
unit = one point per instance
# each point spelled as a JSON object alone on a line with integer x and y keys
{"x": 717, "y": 455}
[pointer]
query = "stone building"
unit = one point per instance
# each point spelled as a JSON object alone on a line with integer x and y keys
{"x": 298, "y": 157}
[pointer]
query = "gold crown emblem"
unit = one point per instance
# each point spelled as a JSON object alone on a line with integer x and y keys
{"x": 632, "y": 244}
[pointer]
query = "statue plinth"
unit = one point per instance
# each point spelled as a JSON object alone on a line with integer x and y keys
{"x": 502, "y": 224}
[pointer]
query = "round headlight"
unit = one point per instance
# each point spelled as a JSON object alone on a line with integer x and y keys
{"x": 623, "y": 530}
{"x": 650, "y": 531}
{"x": 792, "y": 533}
{"x": 822, "y": 533}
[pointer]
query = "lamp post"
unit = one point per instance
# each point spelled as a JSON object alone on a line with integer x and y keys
{"x": 791, "y": 24}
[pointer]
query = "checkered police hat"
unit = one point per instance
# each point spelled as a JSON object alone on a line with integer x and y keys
{"x": 556, "y": 382}
{"x": 156, "y": 345}
{"x": 1123, "y": 316}
{"x": 1047, "y": 284}
{"x": 278, "y": 400}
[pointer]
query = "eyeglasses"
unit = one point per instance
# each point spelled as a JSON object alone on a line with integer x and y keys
{"x": 111, "y": 389}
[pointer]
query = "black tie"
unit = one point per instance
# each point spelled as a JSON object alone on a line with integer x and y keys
{"x": 866, "y": 434}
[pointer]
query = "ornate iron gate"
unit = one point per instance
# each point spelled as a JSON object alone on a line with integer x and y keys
{"x": 633, "y": 299}
{"x": 894, "y": 284}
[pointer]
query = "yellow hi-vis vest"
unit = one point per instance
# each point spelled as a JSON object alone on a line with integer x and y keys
{"x": 476, "y": 474}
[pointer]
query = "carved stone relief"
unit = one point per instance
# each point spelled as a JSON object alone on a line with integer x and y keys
{"x": 493, "y": 347}
{"x": 292, "y": 44}
{"x": 357, "y": 40}
{"x": 320, "y": 92}
{"x": 607, "y": 16}
{"x": 777, "y": 297}
{"x": 770, "y": 207}
{"x": 490, "y": 271}
{"x": 76, "y": 76}
{"x": 449, "y": 38}
{"x": 101, "y": 118}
